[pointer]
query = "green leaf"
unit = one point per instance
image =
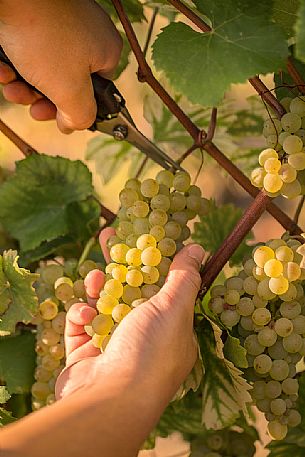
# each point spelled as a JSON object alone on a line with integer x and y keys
{"x": 235, "y": 352}
{"x": 283, "y": 78}
{"x": 5, "y": 417}
{"x": 4, "y": 395}
{"x": 216, "y": 225}
{"x": 34, "y": 201}
{"x": 44, "y": 250}
{"x": 300, "y": 32}
{"x": 17, "y": 362}
{"x": 18, "y": 301}
{"x": 285, "y": 14}
{"x": 233, "y": 51}
{"x": 224, "y": 391}
{"x": 20, "y": 405}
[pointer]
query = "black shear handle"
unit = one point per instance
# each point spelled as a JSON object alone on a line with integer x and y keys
{"x": 109, "y": 101}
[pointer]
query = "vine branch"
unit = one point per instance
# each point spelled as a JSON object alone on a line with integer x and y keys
{"x": 22, "y": 145}
{"x": 295, "y": 75}
{"x": 299, "y": 209}
{"x": 267, "y": 96}
{"x": 187, "y": 12}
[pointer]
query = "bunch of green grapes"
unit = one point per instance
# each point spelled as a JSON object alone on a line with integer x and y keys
{"x": 58, "y": 288}
{"x": 266, "y": 306}
{"x": 152, "y": 227}
{"x": 224, "y": 443}
{"x": 284, "y": 158}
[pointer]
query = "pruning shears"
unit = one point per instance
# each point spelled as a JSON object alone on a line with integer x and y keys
{"x": 113, "y": 117}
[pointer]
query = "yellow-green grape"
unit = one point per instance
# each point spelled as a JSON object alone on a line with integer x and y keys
{"x": 146, "y": 241}
{"x": 172, "y": 230}
{"x": 158, "y": 232}
{"x": 124, "y": 229}
{"x": 250, "y": 285}
{"x": 49, "y": 337}
{"x": 232, "y": 297}
{"x": 262, "y": 254}
{"x": 261, "y": 316}
{"x": 177, "y": 201}
{"x": 164, "y": 266}
{"x": 277, "y": 430}
{"x": 278, "y": 285}
{"x": 133, "y": 184}
{"x": 259, "y": 273}
{"x": 182, "y": 181}
{"x": 272, "y": 183}
{"x": 118, "y": 252}
{"x": 193, "y": 203}
{"x": 185, "y": 233}
{"x": 272, "y": 141}
{"x": 272, "y": 165}
{"x": 112, "y": 241}
{"x": 120, "y": 311}
{"x": 49, "y": 363}
{"x": 160, "y": 202}
{"x": 131, "y": 240}
{"x": 59, "y": 322}
{"x": 165, "y": 177}
{"x": 292, "y": 190}
{"x": 43, "y": 375}
{"x": 299, "y": 324}
{"x": 122, "y": 214}
{"x": 79, "y": 289}
{"x": 164, "y": 190}
{"x": 292, "y": 144}
{"x": 167, "y": 247}
{"x": 140, "y": 225}
{"x": 150, "y": 274}
{"x": 64, "y": 289}
{"x": 291, "y": 293}
{"x": 291, "y": 122}
{"x": 102, "y": 324}
{"x": 257, "y": 177}
{"x": 119, "y": 272}
{"x": 97, "y": 340}
{"x": 110, "y": 267}
{"x": 283, "y": 327}
{"x": 89, "y": 330}
{"x": 297, "y": 105}
{"x": 149, "y": 188}
{"x": 41, "y": 349}
{"x": 284, "y": 254}
{"x": 133, "y": 257}
{"x": 273, "y": 268}
{"x": 297, "y": 161}
{"x": 86, "y": 267}
{"x": 50, "y": 273}
{"x": 113, "y": 287}
{"x": 287, "y": 173}
{"x": 181, "y": 217}
{"x": 128, "y": 197}
{"x": 40, "y": 390}
{"x": 272, "y": 126}
{"x": 267, "y": 154}
{"x": 58, "y": 351}
{"x": 157, "y": 217}
{"x": 48, "y": 309}
{"x": 140, "y": 209}
{"x": 264, "y": 291}
{"x": 294, "y": 418}
{"x": 131, "y": 293}
{"x": 106, "y": 303}
{"x": 230, "y": 317}
{"x": 262, "y": 363}
{"x": 134, "y": 278}
{"x": 151, "y": 256}
{"x": 149, "y": 290}
{"x": 138, "y": 302}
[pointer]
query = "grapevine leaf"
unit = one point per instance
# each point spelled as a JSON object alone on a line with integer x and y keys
{"x": 83, "y": 219}
{"x": 16, "y": 293}
{"x": 34, "y": 201}
{"x": 224, "y": 391}
{"x": 43, "y": 250}
{"x": 233, "y": 51}
{"x": 5, "y": 417}
{"x": 20, "y": 404}
{"x": 285, "y": 14}
{"x": 4, "y": 395}
{"x": 216, "y": 225}
{"x": 17, "y": 362}
{"x": 300, "y": 32}
{"x": 283, "y": 78}
{"x": 235, "y": 352}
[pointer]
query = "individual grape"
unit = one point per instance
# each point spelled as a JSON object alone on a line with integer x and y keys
{"x": 172, "y": 230}
{"x": 124, "y": 229}
{"x": 299, "y": 324}
{"x": 279, "y": 370}
{"x": 234, "y": 283}
{"x": 252, "y": 346}
{"x": 128, "y": 197}
{"x": 64, "y": 289}
{"x": 290, "y": 294}
{"x": 278, "y": 285}
{"x": 292, "y": 190}
{"x": 134, "y": 278}
{"x": 149, "y": 188}
{"x": 246, "y": 323}
{"x": 301, "y": 133}
{"x": 287, "y": 173}
{"x": 216, "y": 305}
{"x": 278, "y": 406}
{"x": 131, "y": 240}
{"x": 130, "y": 217}
{"x": 40, "y": 390}
{"x": 277, "y": 351}
{"x": 297, "y": 106}
{"x": 161, "y": 202}
{"x": 292, "y": 144}
{"x": 106, "y": 303}
{"x": 149, "y": 290}
{"x": 112, "y": 241}
{"x": 89, "y": 330}
{"x": 272, "y": 142}
{"x": 250, "y": 285}
{"x": 272, "y": 126}
{"x": 120, "y": 311}
{"x": 50, "y": 273}
{"x": 258, "y": 391}
{"x": 273, "y": 268}
{"x": 102, "y": 324}
{"x": 165, "y": 177}
{"x": 282, "y": 137}
{"x": 97, "y": 340}
{"x": 262, "y": 254}
{"x": 262, "y": 364}
{"x": 133, "y": 184}
{"x": 277, "y": 430}
{"x": 167, "y": 248}
{"x": 193, "y": 203}
{"x": 150, "y": 274}
{"x": 283, "y": 327}
{"x": 261, "y": 316}
{"x": 181, "y": 217}
{"x": 158, "y": 232}
{"x": 79, "y": 289}
{"x": 118, "y": 272}
{"x": 258, "y": 302}
{"x": 290, "y": 309}
{"x": 151, "y": 256}
{"x": 131, "y": 293}
{"x": 272, "y": 165}
{"x": 138, "y": 302}
{"x": 267, "y": 337}
{"x": 245, "y": 306}
{"x": 86, "y": 267}
{"x": 291, "y": 122}
{"x": 229, "y": 317}
{"x": 49, "y": 363}
{"x": 118, "y": 252}
{"x": 48, "y": 309}
{"x": 113, "y": 287}
{"x": 177, "y": 201}
{"x": 272, "y": 183}
{"x": 292, "y": 343}
{"x": 292, "y": 271}
{"x": 182, "y": 181}
{"x": 49, "y": 337}
{"x": 297, "y": 161}
{"x": 145, "y": 241}
{"x": 232, "y": 297}
{"x": 164, "y": 266}
{"x": 263, "y": 405}
{"x": 141, "y": 225}
{"x": 259, "y": 274}
{"x": 294, "y": 418}
{"x": 273, "y": 389}
{"x": 157, "y": 217}
{"x": 140, "y": 209}
{"x": 133, "y": 257}
{"x": 59, "y": 322}
{"x": 58, "y": 351}
{"x": 290, "y": 386}
{"x": 257, "y": 177}
{"x": 267, "y": 154}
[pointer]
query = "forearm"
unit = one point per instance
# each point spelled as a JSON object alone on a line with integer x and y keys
{"x": 112, "y": 418}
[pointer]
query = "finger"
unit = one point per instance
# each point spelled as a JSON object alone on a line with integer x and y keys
{"x": 19, "y": 92}
{"x": 79, "y": 314}
{"x": 7, "y": 74}
{"x": 43, "y": 110}
{"x": 94, "y": 282}
{"x": 183, "y": 280}
{"x": 83, "y": 349}
{"x": 104, "y": 237}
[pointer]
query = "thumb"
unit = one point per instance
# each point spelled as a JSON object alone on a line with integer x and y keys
{"x": 183, "y": 280}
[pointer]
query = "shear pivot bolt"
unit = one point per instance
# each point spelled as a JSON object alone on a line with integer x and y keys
{"x": 120, "y": 132}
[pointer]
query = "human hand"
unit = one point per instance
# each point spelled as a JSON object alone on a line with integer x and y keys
{"x": 153, "y": 342}
{"x": 56, "y": 45}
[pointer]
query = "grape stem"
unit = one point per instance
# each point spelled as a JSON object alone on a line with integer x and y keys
{"x": 299, "y": 209}
{"x": 148, "y": 37}
{"x": 295, "y": 75}
{"x": 22, "y": 145}
{"x": 90, "y": 243}
{"x": 193, "y": 130}
{"x": 267, "y": 96}
{"x": 187, "y": 12}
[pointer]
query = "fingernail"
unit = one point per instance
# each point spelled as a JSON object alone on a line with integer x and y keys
{"x": 196, "y": 252}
